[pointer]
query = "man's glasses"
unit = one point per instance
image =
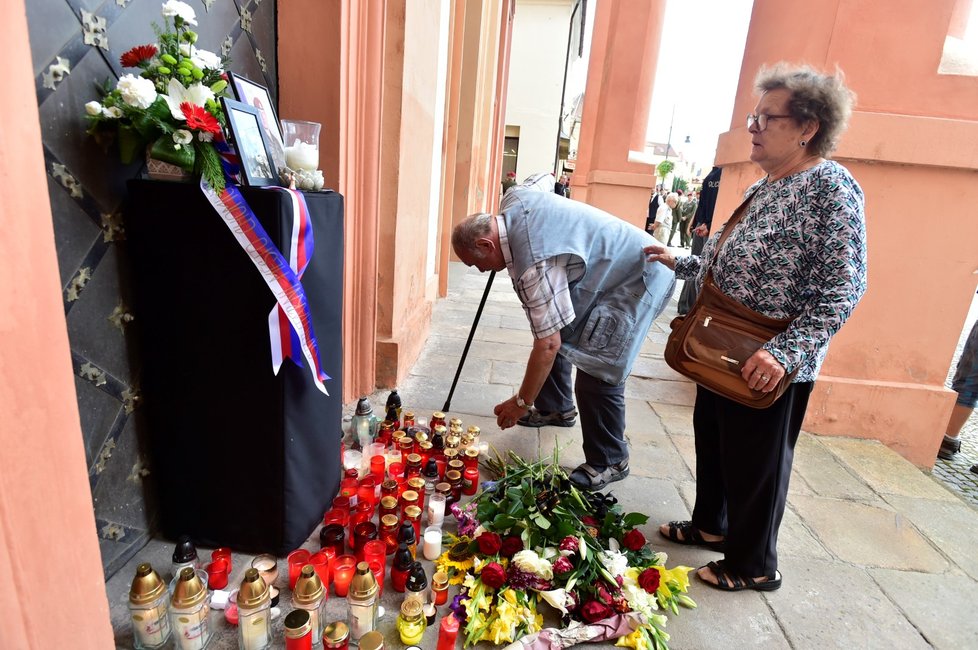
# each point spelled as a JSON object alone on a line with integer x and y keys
{"x": 761, "y": 120}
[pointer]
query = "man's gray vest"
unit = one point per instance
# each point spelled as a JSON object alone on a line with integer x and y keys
{"x": 619, "y": 295}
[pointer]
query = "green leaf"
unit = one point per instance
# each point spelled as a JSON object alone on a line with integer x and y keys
{"x": 486, "y": 511}
{"x": 165, "y": 149}
{"x": 540, "y": 521}
{"x": 210, "y": 166}
{"x": 502, "y": 522}
{"x": 633, "y": 519}
{"x": 131, "y": 144}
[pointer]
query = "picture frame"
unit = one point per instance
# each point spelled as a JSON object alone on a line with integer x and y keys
{"x": 256, "y": 95}
{"x": 245, "y": 131}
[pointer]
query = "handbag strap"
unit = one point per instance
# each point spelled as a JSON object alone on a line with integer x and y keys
{"x": 728, "y": 227}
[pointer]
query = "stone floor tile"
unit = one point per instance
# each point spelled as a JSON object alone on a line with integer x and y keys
{"x": 725, "y": 620}
{"x": 826, "y": 604}
{"x": 655, "y": 456}
{"x": 652, "y": 368}
{"x": 655, "y": 497}
{"x": 796, "y": 540}
{"x": 677, "y": 419}
{"x": 687, "y": 450}
{"x": 942, "y": 608}
{"x": 509, "y": 373}
{"x": 640, "y": 419}
{"x": 430, "y": 364}
{"x": 658, "y": 391}
{"x": 688, "y": 491}
{"x": 886, "y": 471}
{"x": 868, "y": 535}
{"x": 826, "y": 475}
{"x": 428, "y": 393}
{"x": 514, "y": 322}
{"x": 652, "y": 349}
{"x": 951, "y": 527}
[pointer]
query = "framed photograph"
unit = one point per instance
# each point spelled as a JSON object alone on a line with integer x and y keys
{"x": 248, "y": 92}
{"x": 246, "y": 133}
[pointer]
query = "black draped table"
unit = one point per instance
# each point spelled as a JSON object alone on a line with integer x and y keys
{"x": 240, "y": 457}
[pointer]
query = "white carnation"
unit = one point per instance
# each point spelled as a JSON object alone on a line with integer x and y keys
{"x": 136, "y": 91}
{"x": 614, "y": 562}
{"x": 93, "y": 108}
{"x": 173, "y": 8}
{"x": 113, "y": 112}
{"x": 205, "y": 60}
{"x": 530, "y": 562}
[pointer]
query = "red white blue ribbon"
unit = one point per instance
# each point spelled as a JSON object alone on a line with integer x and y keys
{"x": 285, "y": 342}
{"x": 278, "y": 274}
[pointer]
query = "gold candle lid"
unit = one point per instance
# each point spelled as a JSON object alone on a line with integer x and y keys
{"x": 453, "y": 441}
{"x": 389, "y": 521}
{"x": 372, "y": 641}
{"x": 388, "y": 484}
{"x": 298, "y": 623}
{"x": 474, "y": 430}
{"x": 414, "y": 459}
{"x": 412, "y": 512}
{"x": 388, "y": 503}
{"x": 253, "y": 591}
{"x": 455, "y": 422}
{"x": 409, "y": 496}
{"x": 416, "y": 484}
{"x": 472, "y": 452}
{"x": 408, "y": 415}
{"x": 405, "y": 442}
{"x": 336, "y": 632}
{"x": 443, "y": 488}
{"x": 190, "y": 591}
{"x": 451, "y": 453}
{"x": 308, "y": 587}
{"x": 440, "y": 428}
{"x": 363, "y": 585}
{"x": 439, "y": 580}
{"x": 453, "y": 476}
{"x": 424, "y": 444}
{"x": 421, "y": 437}
{"x": 437, "y": 415}
{"x": 411, "y": 608}
{"x": 456, "y": 465}
{"x": 147, "y": 586}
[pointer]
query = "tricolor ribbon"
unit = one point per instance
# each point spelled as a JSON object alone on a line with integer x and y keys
{"x": 278, "y": 274}
{"x": 285, "y": 342}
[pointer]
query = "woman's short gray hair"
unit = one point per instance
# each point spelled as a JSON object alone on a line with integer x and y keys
{"x": 814, "y": 96}
{"x": 672, "y": 196}
{"x": 470, "y": 229}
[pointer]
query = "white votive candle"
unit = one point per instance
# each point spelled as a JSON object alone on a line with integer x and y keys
{"x": 432, "y": 543}
{"x": 302, "y": 155}
{"x": 436, "y": 509}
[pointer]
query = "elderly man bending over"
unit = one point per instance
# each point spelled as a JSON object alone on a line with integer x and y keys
{"x": 590, "y": 297}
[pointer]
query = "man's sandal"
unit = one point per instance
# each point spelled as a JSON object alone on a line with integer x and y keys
{"x": 691, "y": 536}
{"x": 727, "y": 581}
{"x": 586, "y": 477}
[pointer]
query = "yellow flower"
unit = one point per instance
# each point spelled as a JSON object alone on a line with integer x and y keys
{"x": 679, "y": 574}
{"x": 636, "y": 639}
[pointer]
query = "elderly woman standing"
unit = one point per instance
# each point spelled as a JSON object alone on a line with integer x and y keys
{"x": 799, "y": 253}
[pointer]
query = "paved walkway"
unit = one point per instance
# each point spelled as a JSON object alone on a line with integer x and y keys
{"x": 875, "y": 553}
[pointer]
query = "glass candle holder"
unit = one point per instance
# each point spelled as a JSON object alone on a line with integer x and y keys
{"x": 341, "y": 502}
{"x": 424, "y": 450}
{"x": 471, "y": 458}
{"x": 432, "y": 543}
{"x": 344, "y": 567}
{"x": 388, "y": 488}
{"x": 301, "y": 140}
{"x": 379, "y": 569}
{"x": 470, "y": 481}
{"x": 364, "y": 532}
{"x": 396, "y": 469}
{"x": 352, "y": 459}
{"x": 267, "y": 567}
{"x": 377, "y": 449}
{"x": 388, "y": 506}
{"x": 418, "y": 485}
{"x": 378, "y": 468}
{"x": 348, "y": 488}
{"x": 408, "y": 498}
{"x": 223, "y": 553}
{"x": 336, "y": 516}
{"x": 374, "y": 549}
{"x": 366, "y": 490}
{"x": 436, "y": 509}
{"x": 297, "y": 559}
{"x": 320, "y": 563}
{"x": 388, "y": 532}
{"x": 333, "y": 536}
{"x": 441, "y": 462}
{"x": 330, "y": 553}
{"x": 217, "y": 574}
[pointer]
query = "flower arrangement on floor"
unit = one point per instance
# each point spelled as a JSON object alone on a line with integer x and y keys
{"x": 172, "y": 103}
{"x": 532, "y": 536}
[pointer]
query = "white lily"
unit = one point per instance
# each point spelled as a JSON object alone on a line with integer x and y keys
{"x": 558, "y": 599}
{"x": 93, "y": 108}
{"x": 177, "y": 93}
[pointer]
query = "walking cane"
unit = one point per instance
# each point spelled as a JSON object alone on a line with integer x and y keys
{"x": 465, "y": 350}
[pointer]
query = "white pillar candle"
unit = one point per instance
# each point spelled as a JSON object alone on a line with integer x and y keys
{"x": 432, "y": 543}
{"x": 302, "y": 155}
{"x": 436, "y": 509}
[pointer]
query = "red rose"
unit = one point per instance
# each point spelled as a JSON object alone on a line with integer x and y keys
{"x": 511, "y": 546}
{"x": 493, "y": 575}
{"x": 633, "y": 540}
{"x": 604, "y": 596}
{"x": 593, "y": 611}
{"x": 588, "y": 520}
{"x": 489, "y": 543}
{"x": 562, "y": 565}
{"x": 649, "y": 580}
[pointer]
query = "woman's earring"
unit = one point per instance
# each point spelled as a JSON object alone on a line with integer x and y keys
{"x": 803, "y": 143}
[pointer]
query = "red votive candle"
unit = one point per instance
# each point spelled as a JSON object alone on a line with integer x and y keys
{"x": 356, "y": 519}
{"x": 442, "y": 464}
{"x": 297, "y": 559}
{"x": 341, "y": 502}
{"x": 374, "y": 549}
{"x": 395, "y": 470}
{"x": 335, "y": 516}
{"x": 217, "y": 574}
{"x": 223, "y": 553}
{"x": 470, "y": 481}
{"x": 348, "y": 487}
{"x": 343, "y": 568}
{"x": 333, "y": 536}
{"x": 378, "y": 467}
{"x": 320, "y": 562}
{"x": 366, "y": 490}
{"x": 363, "y": 533}
{"x": 331, "y": 555}
{"x": 378, "y": 568}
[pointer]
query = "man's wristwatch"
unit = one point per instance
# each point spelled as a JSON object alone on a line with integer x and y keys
{"x": 523, "y": 405}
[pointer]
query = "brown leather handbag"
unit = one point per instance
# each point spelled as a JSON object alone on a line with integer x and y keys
{"x": 713, "y": 341}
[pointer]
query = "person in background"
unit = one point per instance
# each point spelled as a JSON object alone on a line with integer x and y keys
{"x": 561, "y": 187}
{"x": 654, "y": 202}
{"x": 965, "y": 384}
{"x": 686, "y": 212}
{"x": 590, "y": 297}
{"x": 699, "y": 227}
{"x": 509, "y": 181}
{"x": 799, "y": 253}
{"x": 677, "y": 213}
{"x": 664, "y": 216}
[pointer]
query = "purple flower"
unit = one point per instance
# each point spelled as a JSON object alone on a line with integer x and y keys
{"x": 524, "y": 580}
{"x": 458, "y": 606}
{"x": 467, "y": 522}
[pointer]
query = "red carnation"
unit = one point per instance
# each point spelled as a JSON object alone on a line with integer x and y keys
{"x": 593, "y": 611}
{"x": 633, "y": 540}
{"x": 562, "y": 565}
{"x": 649, "y": 579}
{"x": 198, "y": 119}
{"x": 588, "y": 520}
{"x": 489, "y": 543}
{"x": 137, "y": 55}
{"x": 569, "y": 543}
{"x": 511, "y": 546}
{"x": 493, "y": 575}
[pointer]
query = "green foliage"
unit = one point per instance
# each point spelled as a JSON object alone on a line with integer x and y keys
{"x": 664, "y": 168}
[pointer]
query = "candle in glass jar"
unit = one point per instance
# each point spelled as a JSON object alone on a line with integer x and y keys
{"x": 343, "y": 569}
{"x": 436, "y": 509}
{"x": 432, "y": 543}
{"x": 302, "y": 155}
